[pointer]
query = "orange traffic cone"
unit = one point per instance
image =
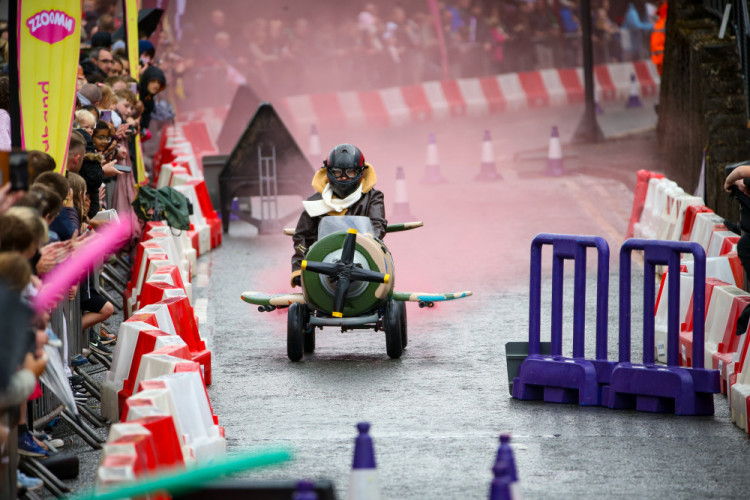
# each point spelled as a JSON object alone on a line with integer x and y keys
{"x": 432, "y": 164}
{"x": 401, "y": 211}
{"x": 487, "y": 171}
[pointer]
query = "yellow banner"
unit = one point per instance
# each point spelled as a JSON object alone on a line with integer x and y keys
{"x": 131, "y": 25}
{"x": 49, "y": 34}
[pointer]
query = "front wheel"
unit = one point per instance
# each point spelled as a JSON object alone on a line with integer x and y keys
{"x": 309, "y": 339}
{"x": 295, "y": 330}
{"x": 402, "y": 316}
{"x": 392, "y": 327}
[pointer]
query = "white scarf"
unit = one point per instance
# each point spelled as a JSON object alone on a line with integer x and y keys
{"x": 316, "y": 208}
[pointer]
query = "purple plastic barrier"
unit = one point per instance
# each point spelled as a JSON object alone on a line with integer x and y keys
{"x": 655, "y": 388}
{"x": 555, "y": 378}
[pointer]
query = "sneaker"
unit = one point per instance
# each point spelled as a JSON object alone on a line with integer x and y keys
{"x": 86, "y": 351}
{"x": 78, "y": 360}
{"x": 28, "y": 447}
{"x": 28, "y": 482}
{"x": 96, "y": 345}
{"x": 107, "y": 338}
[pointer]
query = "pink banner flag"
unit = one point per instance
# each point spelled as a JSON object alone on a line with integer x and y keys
{"x": 69, "y": 272}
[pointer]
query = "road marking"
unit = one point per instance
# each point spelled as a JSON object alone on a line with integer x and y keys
{"x": 593, "y": 212}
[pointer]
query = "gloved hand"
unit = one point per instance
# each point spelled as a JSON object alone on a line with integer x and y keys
{"x": 296, "y": 278}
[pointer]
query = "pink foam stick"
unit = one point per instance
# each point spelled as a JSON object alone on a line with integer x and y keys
{"x": 69, "y": 272}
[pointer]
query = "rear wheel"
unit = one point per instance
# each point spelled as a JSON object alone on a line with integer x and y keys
{"x": 392, "y": 327}
{"x": 402, "y": 316}
{"x": 295, "y": 329}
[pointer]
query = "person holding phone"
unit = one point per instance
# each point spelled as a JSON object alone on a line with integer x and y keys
{"x": 100, "y": 164}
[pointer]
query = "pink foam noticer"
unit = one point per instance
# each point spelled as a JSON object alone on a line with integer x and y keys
{"x": 107, "y": 241}
{"x": 51, "y": 26}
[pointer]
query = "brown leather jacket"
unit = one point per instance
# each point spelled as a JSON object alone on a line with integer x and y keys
{"x": 369, "y": 205}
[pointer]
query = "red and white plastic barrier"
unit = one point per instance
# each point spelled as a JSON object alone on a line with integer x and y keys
{"x": 183, "y": 396}
{"x": 665, "y": 211}
{"x": 467, "y": 96}
{"x": 660, "y": 320}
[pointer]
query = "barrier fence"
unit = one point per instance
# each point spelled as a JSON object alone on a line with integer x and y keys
{"x": 694, "y": 327}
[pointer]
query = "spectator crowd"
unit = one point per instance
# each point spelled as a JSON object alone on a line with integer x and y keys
{"x": 43, "y": 225}
{"x": 380, "y": 44}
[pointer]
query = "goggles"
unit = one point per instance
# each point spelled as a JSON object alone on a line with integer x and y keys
{"x": 350, "y": 173}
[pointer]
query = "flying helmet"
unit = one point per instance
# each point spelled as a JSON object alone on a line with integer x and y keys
{"x": 345, "y": 160}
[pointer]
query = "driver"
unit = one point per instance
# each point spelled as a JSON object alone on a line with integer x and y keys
{"x": 344, "y": 186}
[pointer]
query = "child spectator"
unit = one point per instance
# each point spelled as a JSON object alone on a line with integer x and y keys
{"x": 86, "y": 121}
{"x": 39, "y": 162}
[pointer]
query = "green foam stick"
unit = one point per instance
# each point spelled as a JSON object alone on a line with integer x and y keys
{"x": 187, "y": 479}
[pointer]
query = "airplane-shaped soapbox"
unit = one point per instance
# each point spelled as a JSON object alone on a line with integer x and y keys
{"x": 347, "y": 282}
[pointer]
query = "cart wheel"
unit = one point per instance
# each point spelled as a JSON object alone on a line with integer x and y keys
{"x": 309, "y": 338}
{"x": 295, "y": 329}
{"x": 392, "y": 327}
{"x": 402, "y": 316}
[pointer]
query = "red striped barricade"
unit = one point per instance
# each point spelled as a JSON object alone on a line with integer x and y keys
{"x": 183, "y": 396}
{"x": 168, "y": 448}
{"x": 122, "y": 358}
{"x": 727, "y": 268}
{"x": 739, "y": 399}
{"x": 690, "y": 213}
{"x": 704, "y": 225}
{"x": 660, "y": 319}
{"x": 686, "y": 333}
{"x": 654, "y": 204}
{"x": 734, "y": 367}
{"x": 176, "y": 317}
{"x": 174, "y": 250}
{"x": 722, "y": 243}
{"x": 182, "y": 242}
{"x": 168, "y": 171}
{"x": 673, "y": 216}
{"x": 148, "y": 341}
{"x": 409, "y": 104}
{"x": 199, "y": 225}
{"x": 639, "y": 197}
{"x": 727, "y": 302}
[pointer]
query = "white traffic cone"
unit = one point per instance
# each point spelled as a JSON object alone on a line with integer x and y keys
{"x": 313, "y": 150}
{"x": 432, "y": 164}
{"x": 487, "y": 170}
{"x": 401, "y": 210}
{"x": 634, "y": 98}
{"x": 363, "y": 481}
{"x": 554, "y": 154}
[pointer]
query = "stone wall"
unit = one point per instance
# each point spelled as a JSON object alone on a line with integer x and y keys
{"x": 702, "y": 103}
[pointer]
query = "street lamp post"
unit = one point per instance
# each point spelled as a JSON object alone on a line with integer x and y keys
{"x": 588, "y": 129}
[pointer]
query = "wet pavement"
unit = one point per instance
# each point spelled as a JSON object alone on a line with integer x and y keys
{"x": 436, "y": 412}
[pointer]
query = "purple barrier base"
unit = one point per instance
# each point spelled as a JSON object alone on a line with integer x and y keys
{"x": 557, "y": 379}
{"x": 660, "y": 389}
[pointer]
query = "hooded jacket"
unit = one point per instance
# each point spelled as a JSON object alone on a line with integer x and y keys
{"x": 369, "y": 205}
{"x": 92, "y": 173}
{"x": 151, "y": 73}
